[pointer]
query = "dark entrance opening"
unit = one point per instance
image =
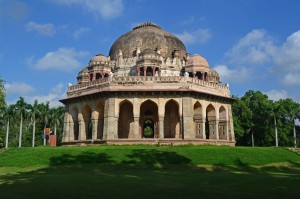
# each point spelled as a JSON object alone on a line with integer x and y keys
{"x": 148, "y": 129}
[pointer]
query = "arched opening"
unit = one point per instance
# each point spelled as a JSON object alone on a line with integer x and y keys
{"x": 171, "y": 120}
{"x": 198, "y": 75}
{"x": 98, "y": 76}
{"x": 210, "y": 122}
{"x": 149, "y": 71}
{"x": 74, "y": 126}
{"x": 100, "y": 110}
{"x": 141, "y": 71}
{"x": 156, "y": 71}
{"x": 106, "y": 75}
{"x": 198, "y": 120}
{"x": 91, "y": 77}
{"x": 87, "y": 118}
{"x": 149, "y": 112}
{"x": 222, "y": 123}
{"x": 148, "y": 129}
{"x": 205, "y": 76}
{"x": 191, "y": 74}
{"x": 126, "y": 121}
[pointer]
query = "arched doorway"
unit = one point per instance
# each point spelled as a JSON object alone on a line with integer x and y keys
{"x": 210, "y": 122}
{"x": 149, "y": 118}
{"x": 172, "y": 120}
{"x": 126, "y": 122}
{"x": 87, "y": 118}
{"x": 222, "y": 123}
{"x": 198, "y": 120}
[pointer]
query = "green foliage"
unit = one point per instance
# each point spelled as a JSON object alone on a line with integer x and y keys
{"x": 40, "y": 113}
{"x": 255, "y": 113}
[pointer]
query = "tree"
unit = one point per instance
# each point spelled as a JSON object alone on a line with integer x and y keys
{"x": 2, "y": 96}
{"x": 242, "y": 121}
{"x": 291, "y": 111}
{"x": 56, "y": 117}
{"x": 8, "y": 114}
{"x": 44, "y": 111}
{"x": 33, "y": 114}
{"x": 21, "y": 108}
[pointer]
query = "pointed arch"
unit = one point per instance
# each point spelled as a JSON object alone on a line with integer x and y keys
{"x": 222, "y": 123}
{"x": 210, "y": 122}
{"x": 171, "y": 120}
{"x": 126, "y": 121}
{"x": 149, "y": 115}
{"x": 198, "y": 120}
{"x": 87, "y": 120}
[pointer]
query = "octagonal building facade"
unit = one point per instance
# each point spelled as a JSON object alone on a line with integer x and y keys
{"x": 148, "y": 90}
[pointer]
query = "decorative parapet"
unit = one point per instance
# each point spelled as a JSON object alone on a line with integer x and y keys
{"x": 148, "y": 83}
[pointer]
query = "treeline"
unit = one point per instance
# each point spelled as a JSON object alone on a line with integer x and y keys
{"x": 22, "y": 124}
{"x": 257, "y": 120}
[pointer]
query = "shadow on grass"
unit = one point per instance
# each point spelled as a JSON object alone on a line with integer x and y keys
{"x": 149, "y": 174}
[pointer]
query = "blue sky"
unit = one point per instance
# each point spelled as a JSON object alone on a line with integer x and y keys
{"x": 253, "y": 44}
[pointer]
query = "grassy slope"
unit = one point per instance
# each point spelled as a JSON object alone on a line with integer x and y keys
{"x": 149, "y": 172}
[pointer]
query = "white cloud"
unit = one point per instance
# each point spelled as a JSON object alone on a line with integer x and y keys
{"x": 63, "y": 59}
{"x": 107, "y": 9}
{"x": 291, "y": 79}
{"x": 287, "y": 60}
{"x": 55, "y": 94}
{"x": 255, "y": 48}
{"x": 44, "y": 29}
{"x": 18, "y": 88}
{"x": 277, "y": 94}
{"x": 199, "y": 36}
{"x": 79, "y": 32}
{"x": 232, "y": 75}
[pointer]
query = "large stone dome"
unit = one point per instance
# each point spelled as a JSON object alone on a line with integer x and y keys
{"x": 147, "y": 36}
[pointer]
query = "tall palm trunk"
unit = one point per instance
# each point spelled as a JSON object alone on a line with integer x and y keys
{"x": 20, "y": 135}
{"x": 55, "y": 129}
{"x": 33, "y": 133}
{"x": 6, "y": 137}
{"x": 295, "y": 138}
{"x": 44, "y": 136}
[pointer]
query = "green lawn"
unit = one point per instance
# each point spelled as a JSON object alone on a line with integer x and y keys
{"x": 149, "y": 172}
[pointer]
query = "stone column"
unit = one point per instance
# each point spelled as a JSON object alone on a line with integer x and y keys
{"x": 139, "y": 70}
{"x": 109, "y": 120}
{"x": 161, "y": 128}
{"x": 82, "y": 133}
{"x": 136, "y": 128}
{"x": 94, "y": 128}
{"x": 71, "y": 132}
{"x": 153, "y": 71}
{"x": 145, "y": 70}
{"x": 231, "y": 129}
{"x": 203, "y": 120}
{"x": 187, "y": 107}
{"x": 217, "y": 130}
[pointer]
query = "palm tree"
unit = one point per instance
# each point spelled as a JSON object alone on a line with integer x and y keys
{"x": 33, "y": 114}
{"x": 8, "y": 113}
{"x": 44, "y": 112}
{"x": 21, "y": 108}
{"x": 56, "y": 115}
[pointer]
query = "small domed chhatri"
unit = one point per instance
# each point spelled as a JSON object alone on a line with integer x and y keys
{"x": 148, "y": 90}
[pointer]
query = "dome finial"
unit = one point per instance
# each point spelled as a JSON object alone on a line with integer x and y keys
{"x": 141, "y": 25}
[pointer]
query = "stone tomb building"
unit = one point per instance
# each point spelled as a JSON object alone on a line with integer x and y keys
{"x": 149, "y": 90}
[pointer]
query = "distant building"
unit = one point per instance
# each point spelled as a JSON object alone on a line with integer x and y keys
{"x": 149, "y": 90}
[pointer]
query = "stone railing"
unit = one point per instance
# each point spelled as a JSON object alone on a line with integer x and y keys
{"x": 150, "y": 80}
